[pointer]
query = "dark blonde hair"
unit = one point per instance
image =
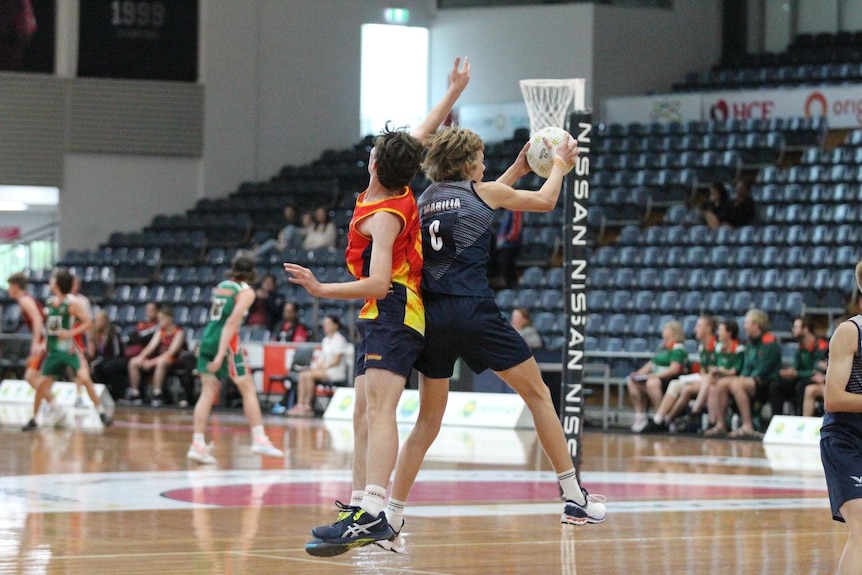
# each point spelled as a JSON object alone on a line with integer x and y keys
{"x": 452, "y": 154}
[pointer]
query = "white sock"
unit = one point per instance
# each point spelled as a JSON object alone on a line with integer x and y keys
{"x": 571, "y": 488}
{"x": 657, "y": 419}
{"x": 257, "y": 433}
{"x": 395, "y": 513}
{"x": 374, "y": 500}
{"x": 640, "y": 417}
{"x": 356, "y": 497}
{"x": 100, "y": 408}
{"x": 199, "y": 439}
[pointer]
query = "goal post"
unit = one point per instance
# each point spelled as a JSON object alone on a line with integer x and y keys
{"x": 562, "y": 104}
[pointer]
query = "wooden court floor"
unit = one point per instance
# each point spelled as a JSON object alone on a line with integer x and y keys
{"x": 125, "y": 501}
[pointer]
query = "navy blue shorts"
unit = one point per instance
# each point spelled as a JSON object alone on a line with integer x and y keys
{"x": 842, "y": 462}
{"x": 472, "y": 328}
{"x": 384, "y": 345}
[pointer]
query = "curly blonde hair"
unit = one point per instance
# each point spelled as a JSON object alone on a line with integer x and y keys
{"x": 453, "y": 152}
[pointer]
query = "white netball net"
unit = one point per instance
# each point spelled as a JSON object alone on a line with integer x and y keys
{"x": 548, "y": 101}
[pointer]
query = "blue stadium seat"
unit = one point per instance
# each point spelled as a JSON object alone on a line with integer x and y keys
{"x": 641, "y": 325}
{"x": 532, "y": 277}
{"x": 740, "y": 302}
{"x": 597, "y": 278}
{"x": 551, "y": 299}
{"x": 768, "y": 302}
{"x": 671, "y": 278}
{"x": 717, "y": 302}
{"x": 617, "y": 324}
{"x": 624, "y": 278}
{"x": 505, "y": 299}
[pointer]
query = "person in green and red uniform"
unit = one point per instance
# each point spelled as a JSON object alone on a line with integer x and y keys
{"x": 761, "y": 363}
{"x": 808, "y": 370}
{"x": 648, "y": 384}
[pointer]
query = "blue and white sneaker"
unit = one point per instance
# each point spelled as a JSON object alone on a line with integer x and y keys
{"x": 396, "y": 543}
{"x": 355, "y": 528}
{"x": 593, "y": 512}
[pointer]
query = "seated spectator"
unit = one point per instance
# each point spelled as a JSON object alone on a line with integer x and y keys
{"x": 157, "y": 357}
{"x": 646, "y": 385}
{"x": 290, "y": 236}
{"x": 330, "y": 365}
{"x": 682, "y": 390}
{"x": 742, "y": 210}
{"x": 523, "y": 324}
{"x": 103, "y": 346}
{"x": 716, "y": 209}
{"x": 117, "y": 370}
{"x": 728, "y": 361}
{"x": 761, "y": 362}
{"x": 321, "y": 232}
{"x": 808, "y": 369}
{"x": 266, "y": 308}
{"x": 290, "y": 329}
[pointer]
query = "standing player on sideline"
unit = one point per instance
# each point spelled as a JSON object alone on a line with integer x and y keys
{"x": 220, "y": 356}
{"x": 66, "y": 319}
{"x": 384, "y": 253}
{"x": 462, "y": 317}
{"x": 841, "y": 434}
{"x": 33, "y": 314}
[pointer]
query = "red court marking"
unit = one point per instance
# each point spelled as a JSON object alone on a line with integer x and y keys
{"x": 445, "y": 492}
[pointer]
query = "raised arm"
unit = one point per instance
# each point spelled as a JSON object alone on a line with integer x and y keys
{"x": 501, "y": 195}
{"x": 458, "y": 79}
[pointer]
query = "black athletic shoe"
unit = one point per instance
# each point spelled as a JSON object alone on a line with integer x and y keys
{"x": 106, "y": 421}
{"x": 30, "y": 426}
{"x": 354, "y": 529}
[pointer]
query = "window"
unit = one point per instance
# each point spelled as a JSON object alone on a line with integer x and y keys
{"x": 394, "y": 83}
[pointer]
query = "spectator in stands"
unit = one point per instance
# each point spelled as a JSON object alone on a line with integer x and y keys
{"x": 266, "y": 309}
{"x": 330, "y": 365}
{"x": 761, "y": 362}
{"x": 728, "y": 362}
{"x": 290, "y": 236}
{"x": 523, "y": 324}
{"x": 290, "y": 329}
{"x": 157, "y": 358}
{"x": 117, "y": 370}
{"x": 716, "y": 209}
{"x": 646, "y": 385}
{"x": 683, "y": 389}
{"x": 743, "y": 210}
{"x": 808, "y": 369}
{"x": 103, "y": 345}
{"x": 507, "y": 248}
{"x": 321, "y": 232}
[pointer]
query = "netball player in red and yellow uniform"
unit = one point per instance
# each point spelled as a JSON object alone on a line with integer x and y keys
{"x": 384, "y": 254}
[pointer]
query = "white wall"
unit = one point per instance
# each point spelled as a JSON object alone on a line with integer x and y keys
{"x": 120, "y": 193}
{"x": 641, "y": 50}
{"x": 506, "y": 45}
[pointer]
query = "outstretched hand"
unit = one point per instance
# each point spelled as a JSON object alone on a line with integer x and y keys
{"x": 304, "y": 277}
{"x": 460, "y": 75}
{"x": 521, "y": 163}
{"x": 566, "y": 151}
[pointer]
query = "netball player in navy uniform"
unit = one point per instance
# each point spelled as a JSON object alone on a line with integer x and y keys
{"x": 462, "y": 317}
{"x": 841, "y": 434}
